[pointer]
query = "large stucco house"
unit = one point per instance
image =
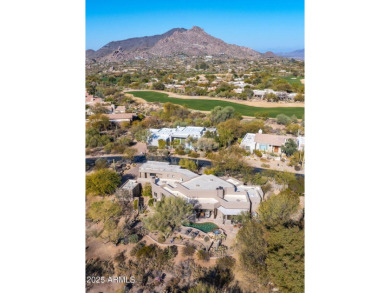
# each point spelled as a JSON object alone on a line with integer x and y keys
{"x": 269, "y": 143}
{"x": 213, "y": 198}
{"x": 180, "y": 134}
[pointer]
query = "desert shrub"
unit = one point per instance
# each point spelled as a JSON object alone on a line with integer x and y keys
{"x": 193, "y": 154}
{"x": 210, "y": 171}
{"x": 203, "y": 255}
{"x": 133, "y": 238}
{"x": 136, "y": 248}
{"x": 180, "y": 152}
{"x": 151, "y": 202}
{"x": 297, "y": 168}
{"x": 226, "y": 262}
{"x": 267, "y": 187}
{"x": 136, "y": 204}
{"x": 283, "y": 119}
{"x": 265, "y": 165}
{"x": 170, "y": 252}
{"x": 189, "y": 250}
{"x": 161, "y": 239}
{"x": 101, "y": 164}
{"x": 147, "y": 251}
{"x": 258, "y": 153}
{"x": 104, "y": 210}
{"x": 108, "y": 147}
{"x": 120, "y": 257}
{"x": 206, "y": 239}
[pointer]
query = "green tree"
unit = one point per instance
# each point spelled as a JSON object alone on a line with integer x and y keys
{"x": 98, "y": 121}
{"x": 253, "y": 249}
{"x": 289, "y": 147}
{"x": 102, "y": 182}
{"x": 294, "y": 128}
{"x": 225, "y": 136}
{"x": 278, "y": 209}
{"x": 206, "y": 144}
{"x": 169, "y": 213}
{"x": 103, "y": 210}
{"x": 271, "y": 97}
{"x": 220, "y": 114}
{"x": 130, "y": 153}
{"x": 297, "y": 158}
{"x": 285, "y": 258}
{"x": 188, "y": 164}
{"x": 158, "y": 86}
{"x": 94, "y": 139}
{"x": 162, "y": 144}
{"x": 229, "y": 162}
{"x": 253, "y": 126}
{"x": 297, "y": 186}
{"x": 125, "y": 80}
{"x": 101, "y": 164}
{"x": 299, "y": 98}
{"x": 233, "y": 126}
{"x": 283, "y": 119}
{"x": 282, "y": 85}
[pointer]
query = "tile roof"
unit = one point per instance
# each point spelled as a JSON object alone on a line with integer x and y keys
{"x": 120, "y": 108}
{"x": 121, "y": 116}
{"x": 271, "y": 139}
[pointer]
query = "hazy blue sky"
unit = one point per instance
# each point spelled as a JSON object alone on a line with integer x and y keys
{"x": 275, "y": 25}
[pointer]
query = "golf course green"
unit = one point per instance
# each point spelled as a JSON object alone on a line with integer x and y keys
{"x": 208, "y": 105}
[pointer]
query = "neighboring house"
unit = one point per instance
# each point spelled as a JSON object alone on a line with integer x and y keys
{"x": 125, "y": 117}
{"x": 248, "y": 142}
{"x": 179, "y": 133}
{"x": 301, "y": 143}
{"x": 120, "y": 109}
{"x": 239, "y": 84}
{"x": 282, "y": 95}
{"x": 261, "y": 93}
{"x": 91, "y": 100}
{"x": 109, "y": 108}
{"x": 269, "y": 143}
{"x": 157, "y": 134}
{"x": 213, "y": 197}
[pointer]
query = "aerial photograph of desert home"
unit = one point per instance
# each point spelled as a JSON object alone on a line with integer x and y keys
{"x": 195, "y": 146}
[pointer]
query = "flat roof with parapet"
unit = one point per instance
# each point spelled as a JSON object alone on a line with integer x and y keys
{"x": 189, "y": 130}
{"x": 153, "y": 166}
{"x": 129, "y": 184}
{"x": 252, "y": 191}
{"x": 206, "y": 182}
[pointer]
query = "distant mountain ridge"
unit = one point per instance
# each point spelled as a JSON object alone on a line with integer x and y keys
{"x": 298, "y": 54}
{"x": 177, "y": 41}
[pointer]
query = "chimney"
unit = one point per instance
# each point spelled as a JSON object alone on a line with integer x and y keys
{"x": 260, "y": 131}
{"x": 220, "y": 192}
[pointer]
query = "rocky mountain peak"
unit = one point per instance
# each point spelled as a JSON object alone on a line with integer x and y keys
{"x": 177, "y": 41}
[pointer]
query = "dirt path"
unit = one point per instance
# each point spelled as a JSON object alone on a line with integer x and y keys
{"x": 248, "y": 103}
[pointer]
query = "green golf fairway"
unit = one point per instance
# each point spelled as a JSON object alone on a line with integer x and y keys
{"x": 208, "y": 105}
